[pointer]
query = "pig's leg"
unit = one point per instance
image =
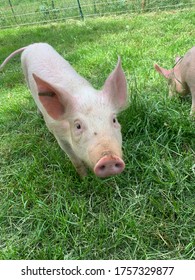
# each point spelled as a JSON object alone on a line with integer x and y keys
{"x": 78, "y": 164}
{"x": 172, "y": 91}
{"x": 192, "y": 112}
{"x": 39, "y": 112}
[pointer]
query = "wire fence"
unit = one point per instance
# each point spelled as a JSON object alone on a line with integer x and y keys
{"x": 28, "y": 12}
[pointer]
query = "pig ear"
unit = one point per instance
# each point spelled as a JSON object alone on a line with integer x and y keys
{"x": 177, "y": 58}
{"x": 51, "y": 98}
{"x": 166, "y": 73}
{"x": 115, "y": 86}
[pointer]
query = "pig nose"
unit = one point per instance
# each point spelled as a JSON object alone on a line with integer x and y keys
{"x": 108, "y": 166}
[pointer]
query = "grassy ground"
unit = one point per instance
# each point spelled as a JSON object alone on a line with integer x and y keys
{"x": 25, "y": 12}
{"x": 147, "y": 212}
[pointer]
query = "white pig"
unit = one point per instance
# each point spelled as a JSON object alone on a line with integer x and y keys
{"x": 82, "y": 119}
{"x": 181, "y": 77}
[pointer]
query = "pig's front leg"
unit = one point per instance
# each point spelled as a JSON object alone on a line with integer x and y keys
{"x": 39, "y": 112}
{"x": 78, "y": 164}
{"x": 192, "y": 112}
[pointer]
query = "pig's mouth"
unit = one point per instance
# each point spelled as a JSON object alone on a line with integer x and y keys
{"x": 109, "y": 165}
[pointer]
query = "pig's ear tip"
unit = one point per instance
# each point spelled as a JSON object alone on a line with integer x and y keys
{"x": 119, "y": 59}
{"x": 35, "y": 76}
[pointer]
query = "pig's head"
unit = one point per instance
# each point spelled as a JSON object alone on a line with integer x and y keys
{"x": 173, "y": 77}
{"x": 88, "y": 121}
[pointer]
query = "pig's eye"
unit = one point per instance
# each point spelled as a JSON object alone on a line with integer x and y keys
{"x": 78, "y": 126}
{"x": 114, "y": 120}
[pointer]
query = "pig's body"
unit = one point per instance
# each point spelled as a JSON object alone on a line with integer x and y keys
{"x": 82, "y": 119}
{"x": 182, "y": 77}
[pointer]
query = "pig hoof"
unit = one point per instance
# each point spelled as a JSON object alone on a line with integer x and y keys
{"x": 108, "y": 166}
{"x": 192, "y": 113}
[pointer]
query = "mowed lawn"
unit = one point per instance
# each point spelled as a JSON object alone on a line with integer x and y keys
{"x": 147, "y": 212}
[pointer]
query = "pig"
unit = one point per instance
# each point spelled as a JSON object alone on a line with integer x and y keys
{"x": 82, "y": 118}
{"x": 181, "y": 78}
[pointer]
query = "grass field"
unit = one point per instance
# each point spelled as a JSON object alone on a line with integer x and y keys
{"x": 147, "y": 212}
{"x": 27, "y": 12}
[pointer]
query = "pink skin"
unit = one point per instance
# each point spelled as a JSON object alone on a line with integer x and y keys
{"x": 82, "y": 119}
{"x": 181, "y": 78}
{"x": 109, "y": 165}
{"x": 102, "y": 151}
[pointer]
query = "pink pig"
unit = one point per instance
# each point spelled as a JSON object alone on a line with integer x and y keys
{"x": 181, "y": 77}
{"x": 82, "y": 119}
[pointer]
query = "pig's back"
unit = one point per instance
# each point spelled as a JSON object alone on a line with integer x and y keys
{"x": 45, "y": 62}
{"x": 187, "y": 67}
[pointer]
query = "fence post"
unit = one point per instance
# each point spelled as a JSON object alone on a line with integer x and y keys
{"x": 10, "y": 3}
{"x": 80, "y": 10}
{"x": 94, "y": 4}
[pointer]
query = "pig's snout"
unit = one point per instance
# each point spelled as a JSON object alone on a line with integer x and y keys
{"x": 108, "y": 166}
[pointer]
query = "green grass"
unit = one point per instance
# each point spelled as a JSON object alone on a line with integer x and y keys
{"x": 27, "y": 12}
{"x": 147, "y": 212}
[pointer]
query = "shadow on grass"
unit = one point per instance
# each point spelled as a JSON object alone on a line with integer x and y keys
{"x": 65, "y": 34}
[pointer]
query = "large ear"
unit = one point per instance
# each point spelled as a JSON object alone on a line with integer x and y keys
{"x": 115, "y": 86}
{"x": 177, "y": 58}
{"x": 53, "y": 100}
{"x": 166, "y": 73}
